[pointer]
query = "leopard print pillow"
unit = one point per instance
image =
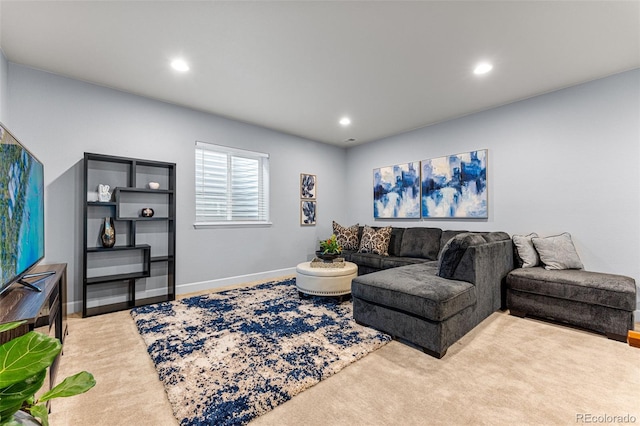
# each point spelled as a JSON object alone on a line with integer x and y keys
{"x": 347, "y": 237}
{"x": 375, "y": 241}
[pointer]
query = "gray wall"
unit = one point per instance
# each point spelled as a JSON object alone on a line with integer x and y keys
{"x": 3, "y": 89}
{"x": 563, "y": 161}
{"x": 60, "y": 118}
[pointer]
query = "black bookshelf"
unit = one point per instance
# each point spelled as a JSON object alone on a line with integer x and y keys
{"x": 140, "y": 268}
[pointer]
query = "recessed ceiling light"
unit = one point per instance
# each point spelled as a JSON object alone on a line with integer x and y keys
{"x": 345, "y": 121}
{"x": 179, "y": 65}
{"x": 482, "y": 68}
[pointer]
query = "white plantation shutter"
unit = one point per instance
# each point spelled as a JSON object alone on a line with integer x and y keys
{"x": 232, "y": 186}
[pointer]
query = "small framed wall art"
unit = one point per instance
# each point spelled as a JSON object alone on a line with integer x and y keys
{"x": 307, "y": 212}
{"x": 308, "y": 186}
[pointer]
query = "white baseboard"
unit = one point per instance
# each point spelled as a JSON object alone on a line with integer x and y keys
{"x": 76, "y": 305}
{"x": 225, "y": 282}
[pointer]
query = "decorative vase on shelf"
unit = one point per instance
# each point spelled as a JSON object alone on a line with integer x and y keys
{"x": 108, "y": 233}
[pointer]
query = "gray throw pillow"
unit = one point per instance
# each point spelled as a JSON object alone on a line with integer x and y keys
{"x": 557, "y": 252}
{"x": 526, "y": 251}
{"x": 446, "y": 236}
{"x": 452, "y": 253}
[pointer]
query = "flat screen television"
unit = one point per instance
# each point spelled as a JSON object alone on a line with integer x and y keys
{"x": 21, "y": 211}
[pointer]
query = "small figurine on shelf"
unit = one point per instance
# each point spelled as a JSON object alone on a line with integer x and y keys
{"x": 103, "y": 193}
{"x": 147, "y": 212}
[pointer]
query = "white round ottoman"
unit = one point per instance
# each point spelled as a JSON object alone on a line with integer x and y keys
{"x": 325, "y": 281}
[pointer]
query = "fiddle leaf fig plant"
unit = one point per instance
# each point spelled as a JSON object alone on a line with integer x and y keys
{"x": 23, "y": 368}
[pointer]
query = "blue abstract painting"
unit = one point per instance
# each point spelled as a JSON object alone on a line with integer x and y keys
{"x": 396, "y": 191}
{"x": 455, "y": 186}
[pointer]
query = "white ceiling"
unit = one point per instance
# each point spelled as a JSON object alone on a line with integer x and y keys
{"x": 297, "y": 67}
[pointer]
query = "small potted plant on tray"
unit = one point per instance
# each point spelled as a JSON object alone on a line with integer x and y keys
{"x": 329, "y": 249}
{"x": 23, "y": 368}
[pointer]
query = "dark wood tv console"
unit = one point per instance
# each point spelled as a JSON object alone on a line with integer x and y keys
{"x": 45, "y": 311}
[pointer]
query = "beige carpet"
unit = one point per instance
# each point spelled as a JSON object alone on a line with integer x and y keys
{"x": 506, "y": 371}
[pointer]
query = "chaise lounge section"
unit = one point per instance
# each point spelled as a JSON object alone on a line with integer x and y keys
{"x": 432, "y": 304}
{"x": 592, "y": 300}
{"x": 551, "y": 283}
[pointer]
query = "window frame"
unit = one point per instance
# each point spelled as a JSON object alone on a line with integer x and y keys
{"x": 263, "y": 186}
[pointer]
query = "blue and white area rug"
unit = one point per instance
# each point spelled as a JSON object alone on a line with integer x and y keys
{"x": 226, "y": 358}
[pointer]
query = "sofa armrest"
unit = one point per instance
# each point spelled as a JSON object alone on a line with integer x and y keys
{"x": 487, "y": 266}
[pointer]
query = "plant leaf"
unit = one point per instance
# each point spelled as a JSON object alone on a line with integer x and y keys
{"x": 73, "y": 385}
{"x": 41, "y": 412}
{"x": 25, "y": 356}
{"x": 10, "y": 326}
{"x": 6, "y": 416}
{"x": 19, "y": 392}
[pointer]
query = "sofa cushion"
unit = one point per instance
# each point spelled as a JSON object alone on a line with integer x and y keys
{"x": 395, "y": 261}
{"x": 415, "y": 289}
{"x": 395, "y": 241}
{"x": 421, "y": 242}
{"x": 446, "y": 236}
{"x": 375, "y": 241}
{"x": 346, "y": 254}
{"x": 369, "y": 260}
{"x": 615, "y": 291}
{"x": 453, "y": 251}
{"x": 491, "y": 237}
{"x": 557, "y": 252}
{"x": 347, "y": 237}
{"x": 527, "y": 254}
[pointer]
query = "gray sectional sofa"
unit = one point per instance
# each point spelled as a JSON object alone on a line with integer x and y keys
{"x": 433, "y": 287}
{"x": 407, "y": 246}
